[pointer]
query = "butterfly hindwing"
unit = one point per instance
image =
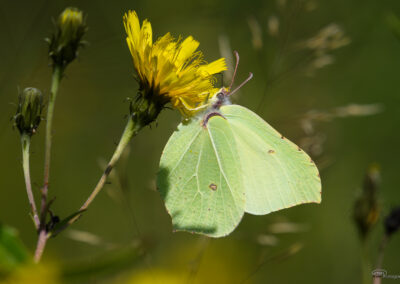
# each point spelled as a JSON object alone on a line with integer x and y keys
{"x": 200, "y": 179}
{"x": 276, "y": 173}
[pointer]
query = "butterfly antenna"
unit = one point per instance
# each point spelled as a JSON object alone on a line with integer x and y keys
{"x": 241, "y": 85}
{"x": 236, "y": 67}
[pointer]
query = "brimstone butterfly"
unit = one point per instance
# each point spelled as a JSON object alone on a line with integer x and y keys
{"x": 228, "y": 161}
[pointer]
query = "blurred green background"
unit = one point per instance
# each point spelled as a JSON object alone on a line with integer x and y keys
{"x": 299, "y": 67}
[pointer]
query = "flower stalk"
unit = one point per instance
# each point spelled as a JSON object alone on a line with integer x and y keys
{"x": 63, "y": 49}
{"x": 55, "y": 82}
{"x": 27, "y": 120}
{"x": 131, "y": 130}
{"x": 143, "y": 112}
{"x": 26, "y": 142}
{"x": 43, "y": 234}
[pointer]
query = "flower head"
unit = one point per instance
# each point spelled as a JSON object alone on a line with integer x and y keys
{"x": 29, "y": 111}
{"x": 64, "y": 43}
{"x": 171, "y": 70}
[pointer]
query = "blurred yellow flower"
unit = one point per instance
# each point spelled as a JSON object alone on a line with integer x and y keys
{"x": 170, "y": 68}
{"x": 34, "y": 274}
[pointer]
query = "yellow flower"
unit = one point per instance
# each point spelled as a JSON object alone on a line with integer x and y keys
{"x": 169, "y": 68}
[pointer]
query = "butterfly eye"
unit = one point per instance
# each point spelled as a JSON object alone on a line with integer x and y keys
{"x": 220, "y": 95}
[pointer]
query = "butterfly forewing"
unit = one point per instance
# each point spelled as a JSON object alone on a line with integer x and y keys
{"x": 200, "y": 179}
{"x": 276, "y": 173}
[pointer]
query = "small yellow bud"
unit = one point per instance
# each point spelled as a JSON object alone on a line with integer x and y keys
{"x": 64, "y": 43}
{"x": 366, "y": 207}
{"x": 28, "y": 116}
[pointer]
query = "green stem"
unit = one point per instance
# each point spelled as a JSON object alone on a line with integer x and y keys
{"x": 26, "y": 142}
{"x": 366, "y": 264}
{"x": 381, "y": 253}
{"x": 56, "y": 78}
{"x": 43, "y": 235}
{"x": 41, "y": 244}
{"x": 131, "y": 130}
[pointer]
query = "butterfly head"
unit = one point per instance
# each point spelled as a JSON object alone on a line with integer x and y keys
{"x": 222, "y": 96}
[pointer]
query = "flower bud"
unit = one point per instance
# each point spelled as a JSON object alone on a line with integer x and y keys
{"x": 366, "y": 206}
{"x": 28, "y": 116}
{"x": 64, "y": 43}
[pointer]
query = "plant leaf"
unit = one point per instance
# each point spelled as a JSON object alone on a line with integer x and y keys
{"x": 12, "y": 251}
{"x": 63, "y": 224}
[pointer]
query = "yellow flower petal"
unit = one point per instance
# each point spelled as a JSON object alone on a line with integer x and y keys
{"x": 146, "y": 34}
{"x": 186, "y": 50}
{"x": 133, "y": 28}
{"x": 214, "y": 67}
